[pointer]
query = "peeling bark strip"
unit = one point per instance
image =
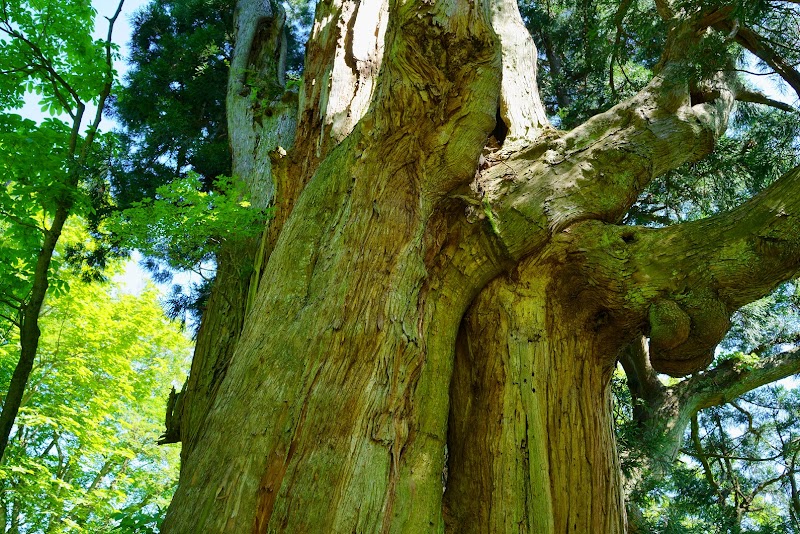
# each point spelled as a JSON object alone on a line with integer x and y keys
{"x": 407, "y": 275}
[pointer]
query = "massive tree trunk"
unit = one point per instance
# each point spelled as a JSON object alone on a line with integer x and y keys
{"x": 422, "y": 339}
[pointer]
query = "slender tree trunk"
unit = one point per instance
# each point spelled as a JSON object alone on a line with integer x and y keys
{"x": 29, "y": 329}
{"x": 77, "y": 156}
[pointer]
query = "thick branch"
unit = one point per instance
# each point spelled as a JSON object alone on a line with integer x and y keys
{"x": 733, "y": 378}
{"x": 760, "y": 98}
{"x": 679, "y": 285}
{"x": 343, "y": 58}
{"x": 597, "y": 170}
{"x": 259, "y": 120}
{"x": 645, "y": 387}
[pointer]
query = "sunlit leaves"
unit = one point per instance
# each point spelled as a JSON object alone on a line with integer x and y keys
{"x": 48, "y": 50}
{"x": 84, "y": 455}
{"x": 184, "y": 225}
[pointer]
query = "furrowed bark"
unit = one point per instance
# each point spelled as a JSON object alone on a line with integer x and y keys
{"x": 352, "y": 393}
{"x": 343, "y": 58}
{"x": 263, "y": 119}
{"x": 531, "y": 443}
{"x": 331, "y": 415}
{"x": 682, "y": 295}
{"x": 594, "y": 172}
{"x": 217, "y": 337}
{"x": 678, "y": 285}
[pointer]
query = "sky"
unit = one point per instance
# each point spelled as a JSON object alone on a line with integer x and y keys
{"x": 134, "y": 279}
{"x": 122, "y": 28}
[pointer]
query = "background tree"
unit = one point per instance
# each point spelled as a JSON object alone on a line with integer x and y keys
{"x": 50, "y": 171}
{"x": 425, "y": 335}
{"x": 736, "y": 471}
{"x": 83, "y": 457}
{"x": 172, "y": 101}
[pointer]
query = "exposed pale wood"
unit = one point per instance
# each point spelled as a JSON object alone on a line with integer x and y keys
{"x": 521, "y": 106}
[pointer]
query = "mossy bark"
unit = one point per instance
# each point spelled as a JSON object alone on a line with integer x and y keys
{"x": 345, "y": 390}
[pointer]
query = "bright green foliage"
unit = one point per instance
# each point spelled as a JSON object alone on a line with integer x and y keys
{"x": 33, "y": 171}
{"x": 184, "y": 225}
{"x": 48, "y": 49}
{"x": 83, "y": 457}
